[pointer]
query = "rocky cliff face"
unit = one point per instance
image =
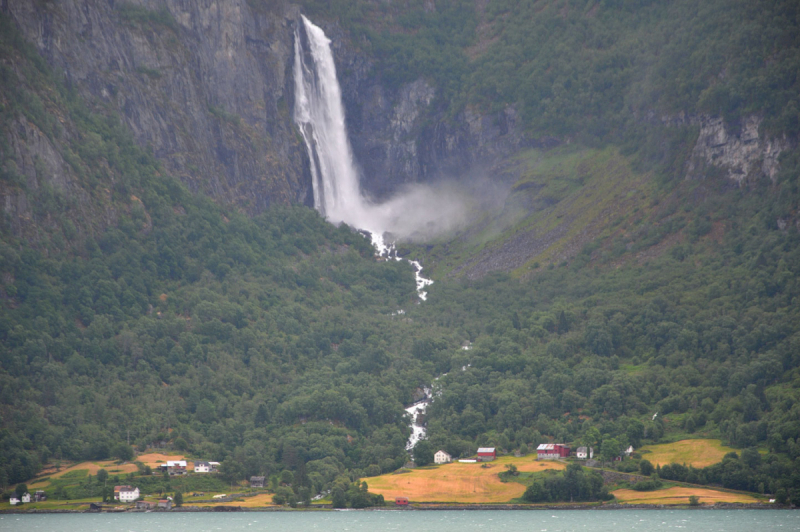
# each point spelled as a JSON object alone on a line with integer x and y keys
{"x": 207, "y": 84}
{"x": 401, "y": 136}
{"x": 740, "y": 150}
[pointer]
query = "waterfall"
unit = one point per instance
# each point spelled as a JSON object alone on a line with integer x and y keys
{"x": 319, "y": 114}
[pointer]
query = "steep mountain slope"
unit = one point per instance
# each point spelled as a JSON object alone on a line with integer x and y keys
{"x": 644, "y": 261}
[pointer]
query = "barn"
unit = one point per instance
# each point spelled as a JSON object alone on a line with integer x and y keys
{"x": 552, "y": 451}
{"x": 486, "y": 454}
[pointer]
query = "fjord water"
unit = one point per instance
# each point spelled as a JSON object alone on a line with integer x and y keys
{"x": 416, "y": 521}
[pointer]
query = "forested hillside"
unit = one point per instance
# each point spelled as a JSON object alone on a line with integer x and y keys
{"x": 135, "y": 314}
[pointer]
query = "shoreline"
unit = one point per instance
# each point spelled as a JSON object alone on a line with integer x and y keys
{"x": 421, "y": 507}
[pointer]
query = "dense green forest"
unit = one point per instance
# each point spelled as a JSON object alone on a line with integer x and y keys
{"x": 273, "y": 344}
{"x": 591, "y": 70}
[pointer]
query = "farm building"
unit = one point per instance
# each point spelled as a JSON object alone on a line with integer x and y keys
{"x": 584, "y": 453}
{"x": 128, "y": 494}
{"x": 629, "y": 451}
{"x": 144, "y": 505}
{"x": 175, "y": 467}
{"x": 552, "y": 451}
{"x": 442, "y": 457}
{"x": 257, "y": 482}
{"x": 401, "y": 501}
{"x": 201, "y": 466}
{"x": 26, "y": 497}
{"x": 13, "y": 501}
{"x": 165, "y": 503}
{"x": 39, "y": 496}
{"x": 486, "y": 454}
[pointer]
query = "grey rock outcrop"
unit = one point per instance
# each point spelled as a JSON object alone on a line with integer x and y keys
{"x": 740, "y": 150}
{"x": 206, "y": 84}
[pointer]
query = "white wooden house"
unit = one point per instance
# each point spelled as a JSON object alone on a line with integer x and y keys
{"x": 442, "y": 457}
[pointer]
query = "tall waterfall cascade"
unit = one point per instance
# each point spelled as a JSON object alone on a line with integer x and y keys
{"x": 319, "y": 114}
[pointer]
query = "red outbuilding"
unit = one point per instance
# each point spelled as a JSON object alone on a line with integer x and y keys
{"x": 552, "y": 451}
{"x": 486, "y": 454}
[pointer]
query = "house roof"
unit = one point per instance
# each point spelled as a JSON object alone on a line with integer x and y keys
{"x": 551, "y": 446}
{"x": 127, "y": 488}
{"x": 176, "y": 463}
{"x": 485, "y": 450}
{"x": 199, "y": 463}
{"x": 256, "y": 478}
{"x": 582, "y": 449}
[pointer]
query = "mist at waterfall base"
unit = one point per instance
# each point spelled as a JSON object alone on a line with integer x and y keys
{"x": 416, "y": 213}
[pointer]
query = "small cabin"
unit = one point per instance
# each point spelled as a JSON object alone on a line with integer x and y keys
{"x": 401, "y": 501}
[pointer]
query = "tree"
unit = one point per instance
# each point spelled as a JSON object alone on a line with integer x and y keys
{"x": 610, "y": 449}
{"x": 178, "y": 499}
{"x": 694, "y": 500}
{"x": 231, "y": 470}
{"x": 123, "y": 451}
{"x": 646, "y": 468}
{"x": 635, "y": 432}
{"x": 423, "y": 453}
{"x": 338, "y": 497}
{"x": 102, "y": 476}
{"x": 21, "y": 490}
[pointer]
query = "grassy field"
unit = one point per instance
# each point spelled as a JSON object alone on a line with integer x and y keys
{"x": 258, "y": 501}
{"x": 156, "y": 459}
{"x": 699, "y": 453}
{"x": 680, "y": 495}
{"x": 456, "y": 482}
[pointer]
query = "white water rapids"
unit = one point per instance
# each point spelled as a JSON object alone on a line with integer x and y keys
{"x": 319, "y": 114}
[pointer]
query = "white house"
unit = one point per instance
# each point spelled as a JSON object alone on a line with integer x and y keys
{"x": 584, "y": 452}
{"x": 128, "y": 494}
{"x": 629, "y": 451}
{"x": 26, "y": 498}
{"x": 13, "y": 501}
{"x": 442, "y": 457}
{"x": 202, "y": 467}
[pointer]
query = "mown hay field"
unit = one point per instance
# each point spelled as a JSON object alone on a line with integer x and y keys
{"x": 257, "y": 501}
{"x": 93, "y": 467}
{"x": 699, "y": 453}
{"x": 457, "y": 482}
{"x": 680, "y": 495}
{"x": 156, "y": 459}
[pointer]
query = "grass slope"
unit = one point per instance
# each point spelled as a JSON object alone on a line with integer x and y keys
{"x": 458, "y": 482}
{"x": 698, "y": 453}
{"x": 564, "y": 199}
{"x": 680, "y": 495}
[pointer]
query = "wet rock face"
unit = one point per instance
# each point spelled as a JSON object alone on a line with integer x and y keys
{"x": 207, "y": 84}
{"x": 740, "y": 150}
{"x": 401, "y": 135}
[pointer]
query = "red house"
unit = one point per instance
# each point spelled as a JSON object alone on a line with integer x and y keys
{"x": 401, "y": 501}
{"x": 486, "y": 454}
{"x": 552, "y": 451}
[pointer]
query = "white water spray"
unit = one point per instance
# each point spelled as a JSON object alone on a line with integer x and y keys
{"x": 337, "y": 195}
